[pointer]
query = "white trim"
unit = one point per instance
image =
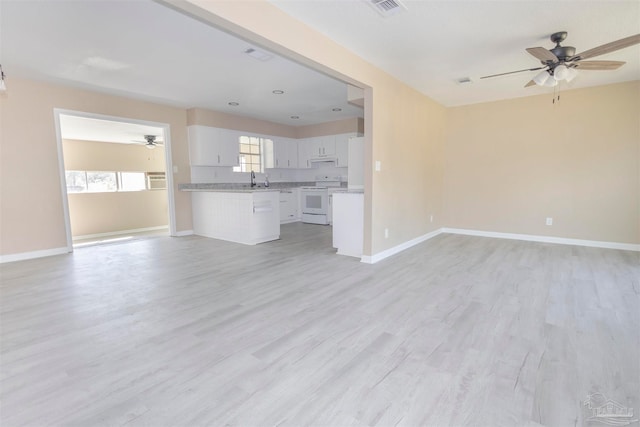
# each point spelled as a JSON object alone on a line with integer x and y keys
{"x": 397, "y": 249}
{"x": 183, "y": 233}
{"x": 34, "y": 254}
{"x": 545, "y": 239}
{"x": 63, "y": 181}
{"x": 120, "y": 233}
{"x": 168, "y": 158}
{"x": 527, "y": 237}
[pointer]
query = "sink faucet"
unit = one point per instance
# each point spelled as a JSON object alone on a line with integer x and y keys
{"x": 253, "y": 179}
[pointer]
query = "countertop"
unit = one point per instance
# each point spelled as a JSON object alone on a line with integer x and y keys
{"x": 245, "y": 188}
{"x": 352, "y": 191}
{"x": 234, "y": 190}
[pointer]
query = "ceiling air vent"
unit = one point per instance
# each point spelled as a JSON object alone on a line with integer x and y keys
{"x": 388, "y": 8}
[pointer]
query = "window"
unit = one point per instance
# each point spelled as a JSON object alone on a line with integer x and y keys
{"x": 252, "y": 154}
{"x": 132, "y": 181}
{"x": 76, "y": 181}
{"x": 98, "y": 182}
{"x": 101, "y": 181}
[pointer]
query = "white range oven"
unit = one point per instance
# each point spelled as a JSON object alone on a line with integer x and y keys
{"x": 315, "y": 200}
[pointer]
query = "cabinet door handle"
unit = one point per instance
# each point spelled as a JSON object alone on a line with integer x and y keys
{"x": 218, "y": 158}
{"x": 276, "y": 162}
{"x": 288, "y": 162}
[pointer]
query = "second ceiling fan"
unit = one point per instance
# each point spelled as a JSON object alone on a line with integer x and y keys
{"x": 561, "y": 62}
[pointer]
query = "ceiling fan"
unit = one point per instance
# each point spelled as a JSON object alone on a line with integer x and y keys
{"x": 150, "y": 141}
{"x": 562, "y": 63}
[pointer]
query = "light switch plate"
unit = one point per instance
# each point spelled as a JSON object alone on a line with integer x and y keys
{"x": 378, "y": 165}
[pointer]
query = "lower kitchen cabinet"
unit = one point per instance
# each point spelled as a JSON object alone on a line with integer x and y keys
{"x": 289, "y": 205}
{"x": 348, "y": 223}
{"x": 248, "y": 217}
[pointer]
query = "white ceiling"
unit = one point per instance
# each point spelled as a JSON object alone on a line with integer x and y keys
{"x": 434, "y": 43}
{"x": 92, "y": 129}
{"x": 145, "y": 50}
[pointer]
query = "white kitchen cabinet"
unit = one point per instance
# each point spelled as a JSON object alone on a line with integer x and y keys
{"x": 355, "y": 173}
{"x": 348, "y": 223}
{"x": 323, "y": 146}
{"x": 209, "y": 146}
{"x": 285, "y": 152}
{"x": 288, "y": 206}
{"x": 342, "y": 150}
{"x": 304, "y": 153}
{"x": 318, "y": 147}
{"x": 243, "y": 217}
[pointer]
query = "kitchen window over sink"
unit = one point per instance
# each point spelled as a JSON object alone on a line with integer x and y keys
{"x": 254, "y": 152}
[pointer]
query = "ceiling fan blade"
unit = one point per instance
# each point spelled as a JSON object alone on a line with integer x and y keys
{"x": 531, "y": 83}
{"x": 542, "y": 54}
{"x": 599, "y": 65}
{"x": 513, "y": 72}
{"x": 609, "y": 47}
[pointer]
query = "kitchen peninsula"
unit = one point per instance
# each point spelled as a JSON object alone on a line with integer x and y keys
{"x": 241, "y": 214}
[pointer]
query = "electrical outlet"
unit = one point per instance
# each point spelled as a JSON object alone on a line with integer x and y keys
{"x": 378, "y": 165}
{"x": 431, "y": 218}
{"x": 175, "y": 169}
{"x": 549, "y": 221}
{"x": 386, "y": 233}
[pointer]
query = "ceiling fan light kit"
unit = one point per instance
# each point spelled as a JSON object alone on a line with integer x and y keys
{"x": 561, "y": 62}
{"x": 541, "y": 77}
{"x": 149, "y": 141}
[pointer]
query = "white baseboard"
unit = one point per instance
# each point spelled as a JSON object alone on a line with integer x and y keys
{"x": 183, "y": 233}
{"x": 545, "y": 239}
{"x": 397, "y": 249}
{"x": 34, "y": 254}
{"x": 527, "y": 237}
{"x": 120, "y": 233}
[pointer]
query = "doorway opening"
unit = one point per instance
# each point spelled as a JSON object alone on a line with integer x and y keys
{"x": 115, "y": 178}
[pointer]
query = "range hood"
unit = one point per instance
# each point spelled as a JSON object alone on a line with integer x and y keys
{"x": 323, "y": 161}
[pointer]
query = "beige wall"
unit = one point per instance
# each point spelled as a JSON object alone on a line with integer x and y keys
{"x": 105, "y": 156}
{"x": 403, "y": 128}
{"x": 332, "y": 128}
{"x": 200, "y": 116}
{"x": 98, "y": 213}
{"x": 511, "y": 164}
{"x": 31, "y": 210}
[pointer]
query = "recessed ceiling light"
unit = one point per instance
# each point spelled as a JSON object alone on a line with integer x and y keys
{"x": 295, "y": 117}
{"x": 278, "y": 92}
{"x": 336, "y": 109}
{"x": 234, "y": 104}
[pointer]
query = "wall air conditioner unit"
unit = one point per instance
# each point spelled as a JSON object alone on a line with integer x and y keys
{"x": 156, "y": 181}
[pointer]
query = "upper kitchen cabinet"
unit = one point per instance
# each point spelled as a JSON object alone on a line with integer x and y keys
{"x": 285, "y": 152}
{"x": 323, "y": 146}
{"x": 209, "y": 146}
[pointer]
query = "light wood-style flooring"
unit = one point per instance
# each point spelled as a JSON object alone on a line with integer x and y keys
{"x": 192, "y": 331}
